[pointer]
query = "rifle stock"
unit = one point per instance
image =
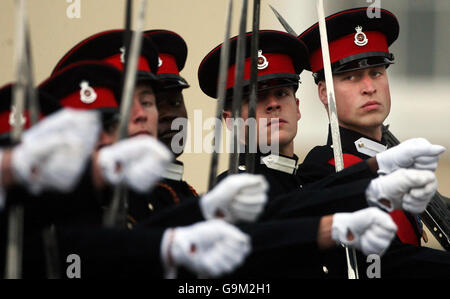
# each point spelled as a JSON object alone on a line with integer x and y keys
{"x": 437, "y": 215}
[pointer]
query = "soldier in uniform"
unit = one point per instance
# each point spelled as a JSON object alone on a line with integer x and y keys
{"x": 108, "y": 47}
{"x": 32, "y": 170}
{"x": 105, "y": 252}
{"x": 144, "y": 112}
{"x": 359, "y": 57}
{"x": 281, "y": 59}
{"x": 172, "y": 54}
{"x": 219, "y": 197}
{"x": 143, "y": 121}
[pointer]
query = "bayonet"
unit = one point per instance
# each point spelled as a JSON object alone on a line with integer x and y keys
{"x": 283, "y": 22}
{"x": 238, "y": 91}
{"x": 336, "y": 138}
{"x": 251, "y": 139}
{"x": 50, "y": 242}
{"x": 118, "y": 205}
{"x": 32, "y": 97}
{"x": 14, "y": 249}
{"x": 221, "y": 97}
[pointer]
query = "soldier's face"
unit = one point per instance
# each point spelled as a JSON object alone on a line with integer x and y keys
{"x": 277, "y": 115}
{"x": 144, "y": 113}
{"x": 170, "y": 107}
{"x": 362, "y": 98}
{"x": 143, "y": 117}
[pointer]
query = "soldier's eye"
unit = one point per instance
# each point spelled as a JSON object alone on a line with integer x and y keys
{"x": 376, "y": 74}
{"x": 282, "y": 93}
{"x": 147, "y": 103}
{"x": 147, "y": 100}
{"x": 349, "y": 78}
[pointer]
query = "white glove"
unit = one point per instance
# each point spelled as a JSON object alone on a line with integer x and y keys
{"x": 138, "y": 162}
{"x": 372, "y": 230}
{"x": 210, "y": 248}
{"x": 415, "y": 153}
{"x": 53, "y": 153}
{"x": 239, "y": 197}
{"x": 407, "y": 189}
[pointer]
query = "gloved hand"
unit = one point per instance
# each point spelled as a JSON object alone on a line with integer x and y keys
{"x": 369, "y": 230}
{"x": 415, "y": 153}
{"x": 53, "y": 153}
{"x": 210, "y": 248}
{"x": 407, "y": 189}
{"x": 239, "y": 197}
{"x": 138, "y": 162}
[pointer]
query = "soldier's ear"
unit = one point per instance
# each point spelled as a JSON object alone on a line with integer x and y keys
{"x": 227, "y": 116}
{"x": 322, "y": 90}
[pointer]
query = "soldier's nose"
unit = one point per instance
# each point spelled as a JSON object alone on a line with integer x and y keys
{"x": 368, "y": 85}
{"x": 272, "y": 105}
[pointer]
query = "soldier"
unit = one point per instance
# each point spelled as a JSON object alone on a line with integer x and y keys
{"x": 143, "y": 121}
{"x": 281, "y": 59}
{"x": 359, "y": 58}
{"x": 140, "y": 253}
{"x": 144, "y": 113}
{"x": 108, "y": 47}
{"x": 34, "y": 168}
{"x": 86, "y": 85}
{"x": 96, "y": 86}
{"x": 170, "y": 103}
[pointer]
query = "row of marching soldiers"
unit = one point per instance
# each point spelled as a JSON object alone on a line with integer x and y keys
{"x": 287, "y": 220}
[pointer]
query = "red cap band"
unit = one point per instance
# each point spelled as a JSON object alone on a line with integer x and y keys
{"x": 346, "y": 47}
{"x": 105, "y": 99}
{"x": 5, "y": 127}
{"x": 169, "y": 65}
{"x": 278, "y": 63}
{"x": 116, "y": 61}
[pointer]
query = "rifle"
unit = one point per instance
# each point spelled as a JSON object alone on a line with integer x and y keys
{"x": 117, "y": 212}
{"x": 436, "y": 215}
{"x": 16, "y": 213}
{"x": 251, "y": 132}
{"x": 221, "y": 97}
{"x": 238, "y": 90}
{"x": 337, "y": 148}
